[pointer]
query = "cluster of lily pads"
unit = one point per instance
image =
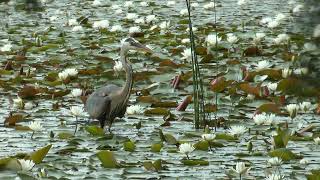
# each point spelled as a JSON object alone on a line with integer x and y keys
{"x": 260, "y": 69}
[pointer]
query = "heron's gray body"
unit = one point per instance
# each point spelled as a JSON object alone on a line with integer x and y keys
{"x": 110, "y": 101}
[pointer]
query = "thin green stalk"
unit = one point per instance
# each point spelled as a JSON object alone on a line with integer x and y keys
{"x": 75, "y": 130}
{"x": 217, "y": 63}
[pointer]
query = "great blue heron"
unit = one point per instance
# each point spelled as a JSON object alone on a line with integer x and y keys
{"x": 110, "y": 101}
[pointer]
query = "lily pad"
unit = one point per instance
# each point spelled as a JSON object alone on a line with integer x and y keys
{"x": 108, "y": 159}
{"x": 284, "y": 154}
{"x": 195, "y": 162}
{"x": 40, "y": 154}
{"x": 94, "y": 130}
{"x": 129, "y": 146}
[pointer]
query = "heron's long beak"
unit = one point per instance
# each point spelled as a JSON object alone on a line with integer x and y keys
{"x": 142, "y": 47}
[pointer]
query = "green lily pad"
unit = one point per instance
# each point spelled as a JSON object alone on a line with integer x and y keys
{"x": 284, "y": 154}
{"x": 226, "y": 137}
{"x": 155, "y": 166}
{"x": 94, "y": 130}
{"x": 129, "y": 146}
{"x": 195, "y": 162}
{"x": 107, "y": 159}
{"x": 40, "y": 154}
{"x": 65, "y": 135}
{"x": 156, "y": 147}
{"x": 281, "y": 140}
{"x": 170, "y": 139}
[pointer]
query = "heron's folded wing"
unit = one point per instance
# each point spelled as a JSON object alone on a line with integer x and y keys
{"x": 98, "y": 106}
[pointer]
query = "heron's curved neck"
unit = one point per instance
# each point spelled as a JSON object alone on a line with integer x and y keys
{"x": 126, "y": 89}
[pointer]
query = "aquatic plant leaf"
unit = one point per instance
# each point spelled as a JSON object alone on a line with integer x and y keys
{"x": 108, "y": 159}
{"x": 225, "y": 137}
{"x": 182, "y": 106}
{"x": 165, "y": 104}
{"x": 170, "y": 139}
{"x": 40, "y": 154}
{"x": 296, "y": 86}
{"x": 284, "y": 154}
{"x": 147, "y": 99}
{"x": 148, "y": 166}
{"x": 247, "y": 88}
{"x": 269, "y": 108}
{"x": 282, "y": 138}
{"x": 219, "y": 84}
{"x": 156, "y": 147}
{"x": 157, "y": 164}
{"x": 195, "y": 162}
{"x": 252, "y": 51}
{"x": 65, "y": 135}
{"x": 28, "y": 92}
{"x": 157, "y": 111}
{"x": 13, "y": 119}
{"x": 129, "y": 146}
{"x": 202, "y": 145}
{"x": 315, "y": 175}
{"x": 94, "y": 130}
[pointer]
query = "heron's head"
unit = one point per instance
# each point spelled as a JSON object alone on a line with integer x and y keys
{"x": 132, "y": 44}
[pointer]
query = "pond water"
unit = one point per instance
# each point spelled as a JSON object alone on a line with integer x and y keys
{"x": 92, "y": 52}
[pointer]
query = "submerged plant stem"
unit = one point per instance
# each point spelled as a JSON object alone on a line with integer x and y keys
{"x": 75, "y": 130}
{"x": 32, "y": 134}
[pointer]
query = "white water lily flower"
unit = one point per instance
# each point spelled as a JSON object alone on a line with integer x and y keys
{"x": 134, "y": 29}
{"x": 275, "y": 161}
{"x": 18, "y": 103}
{"x": 187, "y": 54}
{"x": 310, "y": 46}
{"x": 305, "y": 106}
{"x": 250, "y": 97}
{"x": 208, "y": 137}
{"x": 293, "y": 110}
{"x": 237, "y": 130}
{"x": 194, "y": 29}
{"x": 28, "y": 105}
{"x": 260, "y": 119}
{"x": 298, "y": 8}
{"x": 132, "y": 16}
{"x": 77, "y": 111}
{"x": 273, "y": 24}
{"x": 135, "y": 109}
{"x": 258, "y": 37}
{"x": 194, "y": 4}
{"x": 171, "y": 3}
{"x": 76, "y": 92}
{"x": 26, "y": 165}
{"x": 265, "y": 20}
{"x": 118, "y": 11}
{"x": 185, "y": 41}
{"x": 272, "y": 86}
{"x": 128, "y": 4}
{"x": 103, "y": 24}
{"x": 116, "y": 28}
{"x": 316, "y": 31}
{"x": 77, "y": 28}
{"x": 304, "y": 161}
{"x": 184, "y": 12}
{"x": 71, "y": 72}
{"x": 140, "y": 21}
{"x": 35, "y": 126}
{"x": 144, "y": 4}
{"x": 96, "y": 3}
{"x": 231, "y": 38}
{"x": 301, "y": 71}
{"x": 263, "y": 64}
{"x": 242, "y": 2}
{"x": 280, "y": 17}
{"x": 63, "y": 75}
{"x": 209, "y": 6}
{"x": 286, "y": 72}
{"x": 274, "y": 177}
{"x": 165, "y": 25}
{"x": 151, "y": 18}
{"x": 271, "y": 119}
{"x": 115, "y": 6}
{"x": 241, "y": 168}
{"x": 213, "y": 39}
{"x": 118, "y": 66}
{"x": 186, "y": 148}
{"x": 281, "y": 38}
{"x": 6, "y": 48}
{"x": 317, "y": 140}
{"x": 73, "y": 22}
